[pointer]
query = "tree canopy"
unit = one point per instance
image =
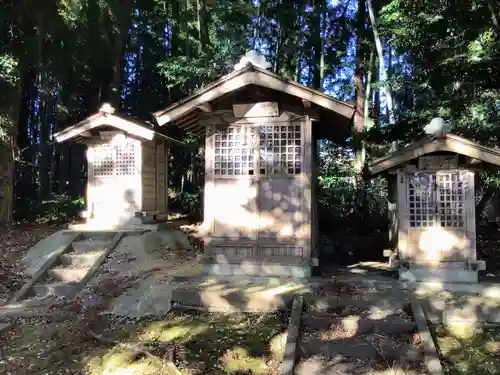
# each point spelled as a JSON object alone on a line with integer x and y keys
{"x": 404, "y": 62}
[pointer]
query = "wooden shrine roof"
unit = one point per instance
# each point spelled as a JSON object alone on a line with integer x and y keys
{"x": 186, "y": 109}
{"x": 444, "y": 143}
{"x": 106, "y": 118}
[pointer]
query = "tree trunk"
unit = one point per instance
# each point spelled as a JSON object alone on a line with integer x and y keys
{"x": 383, "y": 71}
{"x": 64, "y": 168}
{"x": 7, "y": 167}
{"x": 367, "y": 123}
{"x": 360, "y": 102}
{"x": 298, "y": 56}
{"x": 97, "y": 61}
{"x": 185, "y": 27}
{"x": 376, "y": 99}
{"x": 119, "y": 43}
{"x": 27, "y": 88}
{"x": 52, "y": 174}
{"x": 201, "y": 11}
{"x": 359, "y": 72}
{"x": 493, "y": 15}
{"x": 10, "y": 103}
{"x": 77, "y": 160}
{"x": 277, "y": 52}
{"x": 319, "y": 63}
{"x": 44, "y": 148}
{"x": 256, "y": 30}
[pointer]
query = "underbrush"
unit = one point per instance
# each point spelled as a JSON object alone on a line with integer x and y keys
{"x": 194, "y": 342}
{"x": 60, "y": 209}
{"x": 469, "y": 351}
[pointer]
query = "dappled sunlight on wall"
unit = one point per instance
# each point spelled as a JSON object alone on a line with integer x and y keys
{"x": 441, "y": 244}
{"x": 434, "y": 244}
{"x": 233, "y": 207}
{"x": 270, "y": 208}
{"x": 281, "y": 208}
{"x": 114, "y": 189}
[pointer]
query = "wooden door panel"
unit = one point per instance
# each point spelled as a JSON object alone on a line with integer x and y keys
{"x": 233, "y": 206}
{"x": 114, "y": 179}
{"x": 436, "y": 217}
{"x": 451, "y": 216}
{"x": 281, "y": 213}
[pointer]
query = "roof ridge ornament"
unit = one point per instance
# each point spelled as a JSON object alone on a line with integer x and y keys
{"x": 107, "y": 108}
{"x": 437, "y": 127}
{"x": 254, "y": 58}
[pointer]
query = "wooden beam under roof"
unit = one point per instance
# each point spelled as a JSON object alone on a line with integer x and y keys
{"x": 205, "y": 107}
{"x": 252, "y": 75}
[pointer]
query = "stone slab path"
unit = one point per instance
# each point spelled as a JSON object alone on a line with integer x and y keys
{"x": 213, "y": 295}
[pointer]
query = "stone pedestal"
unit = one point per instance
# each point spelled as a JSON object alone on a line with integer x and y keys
{"x": 445, "y": 272}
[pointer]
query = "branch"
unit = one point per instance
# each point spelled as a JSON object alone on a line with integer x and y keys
{"x": 25, "y": 163}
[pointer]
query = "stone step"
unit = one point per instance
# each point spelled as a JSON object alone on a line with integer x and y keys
{"x": 340, "y": 366}
{"x": 232, "y": 298}
{"x": 389, "y": 325}
{"x": 85, "y": 259}
{"x": 98, "y": 235}
{"x": 86, "y": 246}
{"x": 68, "y": 275}
{"x": 371, "y": 302}
{"x": 358, "y": 349}
{"x": 54, "y": 289}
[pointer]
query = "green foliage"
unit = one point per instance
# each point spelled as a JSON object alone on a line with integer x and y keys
{"x": 344, "y": 202}
{"x": 192, "y": 73}
{"x": 60, "y": 209}
{"x": 186, "y": 203}
{"x": 341, "y": 206}
{"x": 446, "y": 57}
{"x": 6, "y": 124}
{"x": 70, "y": 11}
{"x": 8, "y": 70}
{"x": 8, "y": 80}
{"x": 468, "y": 350}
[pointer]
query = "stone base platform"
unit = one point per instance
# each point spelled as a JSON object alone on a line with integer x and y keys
{"x": 237, "y": 295}
{"x": 131, "y": 225}
{"x": 444, "y": 273}
{"x": 252, "y": 268}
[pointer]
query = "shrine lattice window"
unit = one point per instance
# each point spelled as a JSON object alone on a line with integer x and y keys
{"x": 451, "y": 196}
{"x": 280, "y": 149}
{"x": 437, "y": 199}
{"x": 421, "y": 197}
{"x": 234, "y": 151}
{"x": 125, "y": 160}
{"x": 114, "y": 160}
{"x": 102, "y": 157}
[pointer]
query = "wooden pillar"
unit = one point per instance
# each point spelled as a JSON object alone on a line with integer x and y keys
{"x": 307, "y": 181}
{"x": 401, "y": 214}
{"x": 167, "y": 154}
{"x": 89, "y": 152}
{"x": 392, "y": 211}
{"x": 470, "y": 219}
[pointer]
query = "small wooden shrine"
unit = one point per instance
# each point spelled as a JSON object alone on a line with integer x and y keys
{"x": 432, "y": 207}
{"x": 261, "y": 132}
{"x": 127, "y": 166}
